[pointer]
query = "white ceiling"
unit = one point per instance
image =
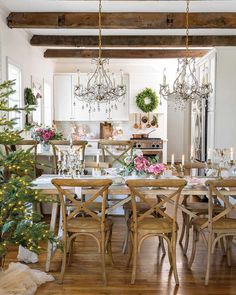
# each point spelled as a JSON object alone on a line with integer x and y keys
{"x": 120, "y": 6}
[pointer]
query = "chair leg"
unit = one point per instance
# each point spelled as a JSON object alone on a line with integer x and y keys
{"x": 63, "y": 266}
{"x": 222, "y": 244}
{"x": 109, "y": 248}
{"x": 170, "y": 254}
{"x": 193, "y": 253}
{"x": 135, "y": 257}
{"x": 161, "y": 244}
{"x": 228, "y": 251}
{"x": 187, "y": 229}
{"x": 70, "y": 251}
{"x": 209, "y": 249}
{"x": 103, "y": 259}
{"x": 183, "y": 229}
{"x": 130, "y": 251}
{"x": 126, "y": 240}
{"x": 173, "y": 252}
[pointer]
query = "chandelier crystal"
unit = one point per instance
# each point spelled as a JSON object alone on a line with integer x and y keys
{"x": 186, "y": 87}
{"x": 101, "y": 87}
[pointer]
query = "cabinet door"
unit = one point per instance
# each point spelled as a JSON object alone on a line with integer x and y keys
{"x": 62, "y": 97}
{"x": 79, "y": 110}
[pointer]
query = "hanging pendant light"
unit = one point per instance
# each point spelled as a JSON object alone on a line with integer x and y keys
{"x": 101, "y": 87}
{"x": 186, "y": 87}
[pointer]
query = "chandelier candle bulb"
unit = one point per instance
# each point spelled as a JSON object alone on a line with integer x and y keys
{"x": 183, "y": 158}
{"x": 81, "y": 155}
{"x": 59, "y": 155}
{"x": 231, "y": 154}
{"x": 164, "y": 77}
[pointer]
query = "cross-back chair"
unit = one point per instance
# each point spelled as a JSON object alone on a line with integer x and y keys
{"x": 62, "y": 145}
{"x": 117, "y": 150}
{"x": 196, "y": 206}
{"x": 218, "y": 225}
{"x": 144, "y": 225}
{"x": 27, "y": 145}
{"x": 76, "y": 223}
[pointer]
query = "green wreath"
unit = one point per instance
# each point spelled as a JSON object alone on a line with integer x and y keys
{"x": 145, "y": 106}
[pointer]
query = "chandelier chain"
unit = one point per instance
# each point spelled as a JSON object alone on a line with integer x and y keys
{"x": 100, "y": 30}
{"x": 187, "y": 28}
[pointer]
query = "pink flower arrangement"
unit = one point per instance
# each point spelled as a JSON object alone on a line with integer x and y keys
{"x": 141, "y": 163}
{"x": 44, "y": 135}
{"x": 156, "y": 169}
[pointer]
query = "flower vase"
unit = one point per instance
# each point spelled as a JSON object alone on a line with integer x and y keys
{"x": 45, "y": 148}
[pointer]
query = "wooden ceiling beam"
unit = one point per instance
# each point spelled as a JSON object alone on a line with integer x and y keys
{"x": 119, "y": 53}
{"x": 132, "y": 41}
{"x": 117, "y": 20}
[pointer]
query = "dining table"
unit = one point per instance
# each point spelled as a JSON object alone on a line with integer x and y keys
{"x": 195, "y": 186}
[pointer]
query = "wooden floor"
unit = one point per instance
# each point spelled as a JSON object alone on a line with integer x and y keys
{"x": 154, "y": 277}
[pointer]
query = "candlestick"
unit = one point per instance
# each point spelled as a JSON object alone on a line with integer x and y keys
{"x": 71, "y": 140}
{"x": 231, "y": 154}
{"x": 183, "y": 158}
{"x": 172, "y": 160}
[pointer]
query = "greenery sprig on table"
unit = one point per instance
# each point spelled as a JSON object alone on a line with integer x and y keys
{"x": 19, "y": 224}
{"x": 150, "y": 106}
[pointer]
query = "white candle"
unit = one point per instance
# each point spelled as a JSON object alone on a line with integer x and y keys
{"x": 231, "y": 154}
{"x": 71, "y": 140}
{"x": 209, "y": 154}
{"x": 81, "y": 155}
{"x": 59, "y": 155}
{"x": 172, "y": 159}
{"x": 164, "y": 76}
{"x": 183, "y": 160}
{"x": 121, "y": 77}
{"x": 192, "y": 152}
{"x": 97, "y": 158}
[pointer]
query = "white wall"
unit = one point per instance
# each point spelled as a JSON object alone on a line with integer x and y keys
{"x": 143, "y": 73}
{"x": 14, "y": 43}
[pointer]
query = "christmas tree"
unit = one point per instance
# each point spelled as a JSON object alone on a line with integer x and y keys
{"x": 19, "y": 224}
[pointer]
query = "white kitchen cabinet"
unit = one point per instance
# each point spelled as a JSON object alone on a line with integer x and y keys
{"x": 68, "y": 108}
{"x": 62, "y": 97}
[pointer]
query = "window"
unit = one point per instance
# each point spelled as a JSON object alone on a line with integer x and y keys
{"x": 47, "y": 105}
{"x": 15, "y": 99}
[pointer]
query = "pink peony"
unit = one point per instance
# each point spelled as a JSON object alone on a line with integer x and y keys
{"x": 141, "y": 163}
{"x": 156, "y": 168}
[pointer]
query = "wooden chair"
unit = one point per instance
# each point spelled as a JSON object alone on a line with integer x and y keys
{"x": 74, "y": 221}
{"x": 198, "y": 207}
{"x": 144, "y": 225}
{"x": 27, "y": 145}
{"x": 217, "y": 225}
{"x": 64, "y": 144}
{"x": 116, "y": 149}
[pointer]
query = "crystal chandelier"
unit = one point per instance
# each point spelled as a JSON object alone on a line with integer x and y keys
{"x": 101, "y": 87}
{"x": 186, "y": 87}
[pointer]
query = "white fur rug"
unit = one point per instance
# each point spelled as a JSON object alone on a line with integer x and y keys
{"x": 19, "y": 279}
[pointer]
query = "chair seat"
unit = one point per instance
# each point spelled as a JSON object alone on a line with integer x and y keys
{"x": 155, "y": 225}
{"x": 221, "y": 224}
{"x": 201, "y": 207}
{"x": 141, "y": 206}
{"x": 87, "y": 224}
